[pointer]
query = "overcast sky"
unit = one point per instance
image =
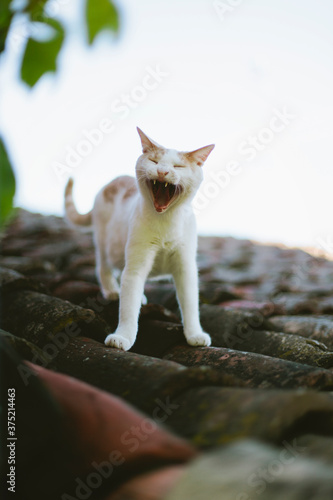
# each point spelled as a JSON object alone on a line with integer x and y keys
{"x": 253, "y": 77}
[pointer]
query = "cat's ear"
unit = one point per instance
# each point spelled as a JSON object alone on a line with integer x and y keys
{"x": 147, "y": 143}
{"x": 200, "y": 155}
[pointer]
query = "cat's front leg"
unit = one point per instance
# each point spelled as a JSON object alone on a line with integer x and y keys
{"x": 121, "y": 339}
{"x": 199, "y": 339}
{"x": 138, "y": 265}
{"x": 185, "y": 275}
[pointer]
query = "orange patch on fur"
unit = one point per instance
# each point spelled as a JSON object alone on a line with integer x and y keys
{"x": 125, "y": 185}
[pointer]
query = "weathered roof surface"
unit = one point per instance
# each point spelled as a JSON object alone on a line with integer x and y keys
{"x": 262, "y": 392}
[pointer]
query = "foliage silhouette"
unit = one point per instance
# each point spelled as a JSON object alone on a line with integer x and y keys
{"x": 40, "y": 56}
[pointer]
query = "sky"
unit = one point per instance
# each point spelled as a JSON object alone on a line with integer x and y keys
{"x": 253, "y": 77}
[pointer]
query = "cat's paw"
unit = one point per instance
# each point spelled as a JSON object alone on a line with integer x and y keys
{"x": 110, "y": 294}
{"x": 118, "y": 341}
{"x": 199, "y": 339}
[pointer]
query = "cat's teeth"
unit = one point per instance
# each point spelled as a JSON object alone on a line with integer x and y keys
{"x": 165, "y": 185}
{"x": 154, "y": 182}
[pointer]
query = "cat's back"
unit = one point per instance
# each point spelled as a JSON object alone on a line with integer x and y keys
{"x": 116, "y": 200}
{"x": 113, "y": 209}
{"x": 122, "y": 188}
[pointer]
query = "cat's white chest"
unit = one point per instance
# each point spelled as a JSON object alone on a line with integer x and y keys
{"x": 163, "y": 260}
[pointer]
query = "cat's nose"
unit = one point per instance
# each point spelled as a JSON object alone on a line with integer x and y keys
{"x": 162, "y": 173}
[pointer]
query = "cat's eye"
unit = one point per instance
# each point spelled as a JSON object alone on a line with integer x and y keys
{"x": 154, "y": 161}
{"x": 179, "y": 166}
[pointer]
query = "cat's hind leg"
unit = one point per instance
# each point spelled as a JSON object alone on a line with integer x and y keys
{"x": 144, "y": 300}
{"x": 107, "y": 281}
{"x": 109, "y": 285}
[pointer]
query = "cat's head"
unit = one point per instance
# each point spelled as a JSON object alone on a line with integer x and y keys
{"x": 168, "y": 176}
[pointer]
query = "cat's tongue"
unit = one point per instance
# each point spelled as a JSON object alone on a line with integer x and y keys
{"x": 162, "y": 197}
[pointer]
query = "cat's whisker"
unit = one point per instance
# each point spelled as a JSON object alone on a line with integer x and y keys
{"x": 141, "y": 175}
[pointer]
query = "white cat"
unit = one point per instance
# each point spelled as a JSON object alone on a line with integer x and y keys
{"x": 146, "y": 227}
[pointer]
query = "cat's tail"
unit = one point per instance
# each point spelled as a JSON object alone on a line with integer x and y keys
{"x": 71, "y": 213}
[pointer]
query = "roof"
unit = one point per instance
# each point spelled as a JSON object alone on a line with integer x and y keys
{"x": 267, "y": 377}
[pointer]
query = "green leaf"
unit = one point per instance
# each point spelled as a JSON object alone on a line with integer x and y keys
{"x": 7, "y": 184}
{"x": 100, "y": 15}
{"x": 6, "y": 17}
{"x": 41, "y": 57}
{"x": 35, "y": 7}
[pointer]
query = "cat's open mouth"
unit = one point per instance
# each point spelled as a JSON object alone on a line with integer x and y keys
{"x": 163, "y": 194}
